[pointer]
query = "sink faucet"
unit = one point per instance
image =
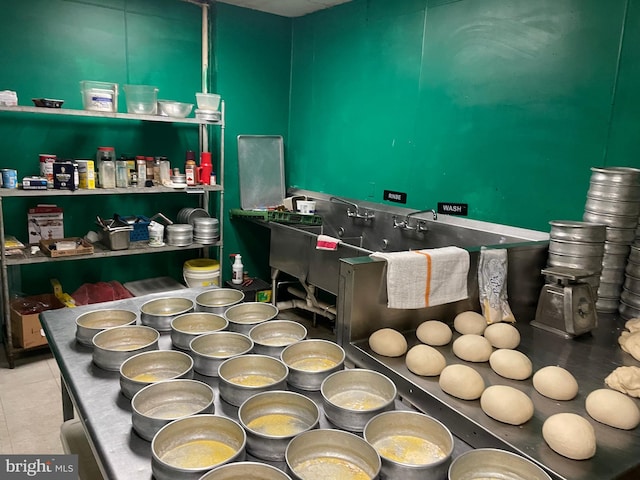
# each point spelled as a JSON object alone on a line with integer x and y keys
{"x": 366, "y": 215}
{"x": 420, "y": 226}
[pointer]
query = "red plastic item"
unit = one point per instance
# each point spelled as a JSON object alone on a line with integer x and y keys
{"x": 203, "y": 172}
{"x": 90, "y": 293}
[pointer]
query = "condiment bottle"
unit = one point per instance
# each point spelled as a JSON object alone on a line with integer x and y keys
{"x": 157, "y": 180}
{"x": 122, "y": 173}
{"x": 149, "y": 161}
{"x": 238, "y": 270}
{"x": 190, "y": 167}
{"x": 141, "y": 169}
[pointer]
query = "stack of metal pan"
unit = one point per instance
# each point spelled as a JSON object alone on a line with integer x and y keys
{"x": 613, "y": 199}
{"x": 579, "y": 245}
{"x": 206, "y": 230}
{"x": 630, "y": 296}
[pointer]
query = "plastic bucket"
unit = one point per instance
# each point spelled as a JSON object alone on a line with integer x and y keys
{"x": 201, "y": 272}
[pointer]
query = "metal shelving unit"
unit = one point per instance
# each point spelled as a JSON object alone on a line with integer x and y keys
{"x": 137, "y": 248}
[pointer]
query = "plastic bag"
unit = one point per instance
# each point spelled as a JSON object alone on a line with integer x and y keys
{"x": 492, "y": 282}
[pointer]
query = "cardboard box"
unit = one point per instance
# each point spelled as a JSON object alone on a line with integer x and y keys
{"x": 45, "y": 222}
{"x": 74, "y": 246}
{"x": 26, "y": 330}
{"x": 87, "y": 174}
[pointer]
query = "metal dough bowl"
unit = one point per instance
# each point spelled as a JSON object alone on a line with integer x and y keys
{"x": 353, "y": 397}
{"x": 113, "y": 346}
{"x": 90, "y": 323}
{"x": 211, "y": 349}
{"x": 615, "y": 175}
{"x": 331, "y": 454}
{"x": 187, "y": 448}
{"x": 270, "y": 338}
{"x": 493, "y": 463}
{"x": 244, "y": 316}
{"x": 272, "y": 419}
{"x": 150, "y": 367}
{"x": 160, "y": 403}
{"x": 158, "y": 313}
{"x": 245, "y": 471}
{"x": 218, "y": 300}
{"x": 412, "y": 445}
{"x": 188, "y": 326}
{"x": 570, "y": 230}
{"x": 246, "y": 375}
{"x": 311, "y": 361}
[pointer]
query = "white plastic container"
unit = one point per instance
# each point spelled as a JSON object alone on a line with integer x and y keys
{"x": 201, "y": 272}
{"x": 99, "y": 96}
{"x": 208, "y": 101}
{"x": 156, "y": 234}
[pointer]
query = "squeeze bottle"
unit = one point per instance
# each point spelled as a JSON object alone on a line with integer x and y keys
{"x": 238, "y": 271}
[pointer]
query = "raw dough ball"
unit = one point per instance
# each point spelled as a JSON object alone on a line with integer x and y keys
{"x": 461, "y": 381}
{"x": 388, "y": 342}
{"x": 556, "y": 383}
{"x": 633, "y": 325}
{"x": 625, "y": 380}
{"x": 511, "y": 364}
{"x": 506, "y": 404}
{"x": 570, "y": 435}
{"x": 472, "y": 348}
{"x": 613, "y": 408}
{"x": 425, "y": 360}
{"x": 502, "y": 335}
{"x": 469, "y": 323}
{"x": 434, "y": 332}
{"x": 630, "y": 343}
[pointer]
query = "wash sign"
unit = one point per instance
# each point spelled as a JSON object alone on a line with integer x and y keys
{"x": 39, "y": 467}
{"x": 461, "y": 209}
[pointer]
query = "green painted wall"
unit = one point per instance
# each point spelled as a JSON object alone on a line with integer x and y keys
{"x": 501, "y": 105}
{"x": 49, "y": 46}
{"x": 252, "y": 72}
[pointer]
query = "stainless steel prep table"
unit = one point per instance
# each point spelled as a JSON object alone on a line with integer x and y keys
{"x": 104, "y": 411}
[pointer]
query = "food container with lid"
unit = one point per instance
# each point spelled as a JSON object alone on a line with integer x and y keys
{"x": 99, "y": 96}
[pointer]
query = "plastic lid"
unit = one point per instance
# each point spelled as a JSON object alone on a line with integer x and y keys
{"x": 202, "y": 264}
{"x": 190, "y": 155}
{"x": 106, "y": 148}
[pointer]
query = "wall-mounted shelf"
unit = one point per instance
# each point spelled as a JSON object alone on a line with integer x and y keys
{"x": 95, "y": 114}
{"x": 16, "y": 192}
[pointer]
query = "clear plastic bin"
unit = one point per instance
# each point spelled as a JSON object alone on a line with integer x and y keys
{"x": 141, "y": 99}
{"x": 99, "y": 96}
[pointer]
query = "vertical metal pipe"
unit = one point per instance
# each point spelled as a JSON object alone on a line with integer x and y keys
{"x": 204, "y": 131}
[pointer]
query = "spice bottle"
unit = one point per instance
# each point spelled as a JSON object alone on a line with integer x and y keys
{"x": 107, "y": 173}
{"x": 141, "y": 169}
{"x": 149, "y": 161}
{"x": 190, "y": 167}
{"x": 108, "y": 153}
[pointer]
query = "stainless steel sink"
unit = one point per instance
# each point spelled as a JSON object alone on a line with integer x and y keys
{"x": 293, "y": 247}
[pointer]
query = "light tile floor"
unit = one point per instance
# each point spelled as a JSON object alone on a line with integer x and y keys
{"x": 31, "y": 404}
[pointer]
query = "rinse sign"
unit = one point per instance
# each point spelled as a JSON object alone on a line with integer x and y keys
{"x": 461, "y": 209}
{"x": 397, "y": 197}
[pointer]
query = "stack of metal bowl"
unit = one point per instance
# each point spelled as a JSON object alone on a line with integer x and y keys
{"x": 206, "y": 230}
{"x": 579, "y": 245}
{"x": 613, "y": 199}
{"x": 179, "y": 234}
{"x": 630, "y": 296}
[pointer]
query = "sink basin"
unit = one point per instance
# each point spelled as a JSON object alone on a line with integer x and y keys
{"x": 293, "y": 247}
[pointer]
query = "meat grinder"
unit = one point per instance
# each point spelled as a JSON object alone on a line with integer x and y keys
{"x": 566, "y": 305}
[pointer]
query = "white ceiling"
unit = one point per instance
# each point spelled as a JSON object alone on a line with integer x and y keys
{"x": 286, "y": 8}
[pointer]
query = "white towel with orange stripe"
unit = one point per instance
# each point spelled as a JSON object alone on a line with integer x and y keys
{"x": 425, "y": 278}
